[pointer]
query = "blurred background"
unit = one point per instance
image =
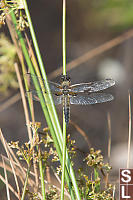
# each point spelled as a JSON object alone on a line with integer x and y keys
{"x": 90, "y": 24}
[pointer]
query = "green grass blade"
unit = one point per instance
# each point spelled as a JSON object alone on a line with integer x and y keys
{"x": 51, "y": 107}
{"x": 64, "y": 122}
{"x": 25, "y": 184}
{"x": 41, "y": 175}
{"x": 50, "y": 114}
{"x": 64, "y": 158}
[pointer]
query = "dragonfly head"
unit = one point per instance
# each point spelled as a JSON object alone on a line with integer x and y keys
{"x": 65, "y": 80}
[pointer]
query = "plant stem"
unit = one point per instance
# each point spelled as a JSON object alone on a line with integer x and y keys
{"x": 51, "y": 107}
{"x": 25, "y": 184}
{"x": 96, "y": 176}
{"x": 64, "y": 122}
{"x": 49, "y": 111}
{"x": 64, "y": 158}
{"x": 41, "y": 174}
{"x": 64, "y": 37}
{"x": 56, "y": 138}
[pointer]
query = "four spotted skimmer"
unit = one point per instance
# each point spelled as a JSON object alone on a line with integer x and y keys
{"x": 81, "y": 94}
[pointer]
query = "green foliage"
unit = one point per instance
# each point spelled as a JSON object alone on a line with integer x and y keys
{"x": 52, "y": 194}
{"x": 32, "y": 195}
{"x": 90, "y": 184}
{"x": 17, "y": 6}
{"x": 29, "y": 151}
{"x": 71, "y": 150}
{"x": 107, "y": 15}
{"x": 116, "y": 13}
{"x": 95, "y": 160}
{"x": 7, "y": 60}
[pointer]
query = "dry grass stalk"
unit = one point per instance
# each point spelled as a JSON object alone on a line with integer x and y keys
{"x": 10, "y": 159}
{"x": 14, "y": 37}
{"x": 10, "y": 154}
{"x": 48, "y": 174}
{"x": 81, "y": 133}
{"x": 27, "y": 120}
{"x": 6, "y": 179}
{"x": 109, "y": 135}
{"x": 8, "y": 168}
{"x": 33, "y": 59}
{"x": 20, "y": 55}
{"x": 129, "y": 132}
{"x": 31, "y": 53}
{"x": 94, "y": 52}
{"x": 10, "y": 187}
{"x": 12, "y": 100}
{"x": 15, "y": 158}
{"x": 36, "y": 175}
{"x": 24, "y": 102}
{"x": 109, "y": 145}
{"x": 16, "y": 168}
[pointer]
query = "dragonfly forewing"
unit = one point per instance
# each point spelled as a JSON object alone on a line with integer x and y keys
{"x": 35, "y": 96}
{"x": 55, "y": 87}
{"x": 91, "y": 99}
{"x": 92, "y": 86}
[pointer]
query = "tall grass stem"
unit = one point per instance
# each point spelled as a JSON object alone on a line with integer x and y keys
{"x": 50, "y": 113}
{"x": 64, "y": 37}
{"x": 64, "y": 73}
{"x": 64, "y": 158}
{"x": 41, "y": 175}
{"x": 129, "y": 132}
{"x": 51, "y": 107}
{"x": 25, "y": 184}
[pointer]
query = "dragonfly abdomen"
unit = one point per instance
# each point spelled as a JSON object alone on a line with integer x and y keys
{"x": 66, "y": 108}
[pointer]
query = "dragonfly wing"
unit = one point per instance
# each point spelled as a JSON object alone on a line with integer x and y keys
{"x": 55, "y": 87}
{"x": 57, "y": 99}
{"x": 92, "y": 86}
{"x": 91, "y": 99}
{"x": 35, "y": 96}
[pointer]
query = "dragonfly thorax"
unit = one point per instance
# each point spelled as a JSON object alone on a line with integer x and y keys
{"x": 65, "y": 87}
{"x": 65, "y": 84}
{"x": 65, "y": 90}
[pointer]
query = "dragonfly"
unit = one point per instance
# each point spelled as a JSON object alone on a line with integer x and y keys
{"x": 79, "y": 94}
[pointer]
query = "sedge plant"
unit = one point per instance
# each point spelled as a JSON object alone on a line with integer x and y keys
{"x": 18, "y": 14}
{"x": 49, "y": 110}
{"x": 64, "y": 122}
